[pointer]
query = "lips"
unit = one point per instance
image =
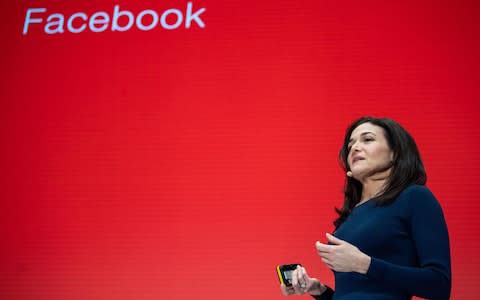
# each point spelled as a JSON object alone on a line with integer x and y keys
{"x": 357, "y": 158}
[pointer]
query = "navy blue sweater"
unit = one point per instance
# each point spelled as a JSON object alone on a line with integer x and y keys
{"x": 407, "y": 241}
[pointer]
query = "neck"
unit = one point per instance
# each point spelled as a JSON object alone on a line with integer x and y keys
{"x": 373, "y": 185}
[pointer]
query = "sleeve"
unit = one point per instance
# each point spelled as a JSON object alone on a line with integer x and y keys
{"x": 432, "y": 279}
{"x": 327, "y": 295}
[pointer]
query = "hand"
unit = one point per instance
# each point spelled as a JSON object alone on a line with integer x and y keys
{"x": 302, "y": 283}
{"x": 342, "y": 256}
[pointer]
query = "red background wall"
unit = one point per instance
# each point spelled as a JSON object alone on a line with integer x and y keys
{"x": 189, "y": 163}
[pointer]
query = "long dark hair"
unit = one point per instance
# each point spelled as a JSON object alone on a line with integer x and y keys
{"x": 407, "y": 167}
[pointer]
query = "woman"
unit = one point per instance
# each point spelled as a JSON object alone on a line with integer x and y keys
{"x": 390, "y": 239}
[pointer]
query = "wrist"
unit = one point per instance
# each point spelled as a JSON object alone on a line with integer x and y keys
{"x": 317, "y": 288}
{"x": 364, "y": 264}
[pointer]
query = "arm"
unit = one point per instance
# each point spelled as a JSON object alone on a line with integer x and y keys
{"x": 432, "y": 279}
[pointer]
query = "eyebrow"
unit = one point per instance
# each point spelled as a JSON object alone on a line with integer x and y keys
{"x": 362, "y": 134}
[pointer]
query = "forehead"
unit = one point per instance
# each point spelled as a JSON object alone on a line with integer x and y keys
{"x": 366, "y": 128}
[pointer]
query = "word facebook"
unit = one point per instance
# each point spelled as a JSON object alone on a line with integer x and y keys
{"x": 121, "y": 20}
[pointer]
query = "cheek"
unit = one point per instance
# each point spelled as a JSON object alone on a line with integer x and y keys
{"x": 383, "y": 154}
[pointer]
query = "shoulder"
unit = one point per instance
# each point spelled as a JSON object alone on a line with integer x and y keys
{"x": 418, "y": 197}
{"x": 416, "y": 191}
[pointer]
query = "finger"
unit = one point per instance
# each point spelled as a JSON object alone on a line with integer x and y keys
{"x": 286, "y": 290}
{"x": 295, "y": 282}
{"x": 303, "y": 274}
{"x": 328, "y": 263}
{"x": 295, "y": 277}
{"x": 334, "y": 240}
{"x": 301, "y": 278}
{"x": 306, "y": 277}
{"x": 326, "y": 260}
{"x": 298, "y": 289}
{"x": 322, "y": 247}
{"x": 326, "y": 253}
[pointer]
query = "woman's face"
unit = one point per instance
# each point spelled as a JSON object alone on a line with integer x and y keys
{"x": 369, "y": 153}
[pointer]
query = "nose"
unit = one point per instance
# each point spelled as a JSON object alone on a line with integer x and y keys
{"x": 355, "y": 147}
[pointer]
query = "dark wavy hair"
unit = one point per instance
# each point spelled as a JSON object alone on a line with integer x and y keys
{"x": 407, "y": 167}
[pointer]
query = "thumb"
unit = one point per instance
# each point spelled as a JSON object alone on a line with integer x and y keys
{"x": 332, "y": 239}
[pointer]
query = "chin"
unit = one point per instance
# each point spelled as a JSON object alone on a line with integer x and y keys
{"x": 358, "y": 174}
{"x": 358, "y": 171}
